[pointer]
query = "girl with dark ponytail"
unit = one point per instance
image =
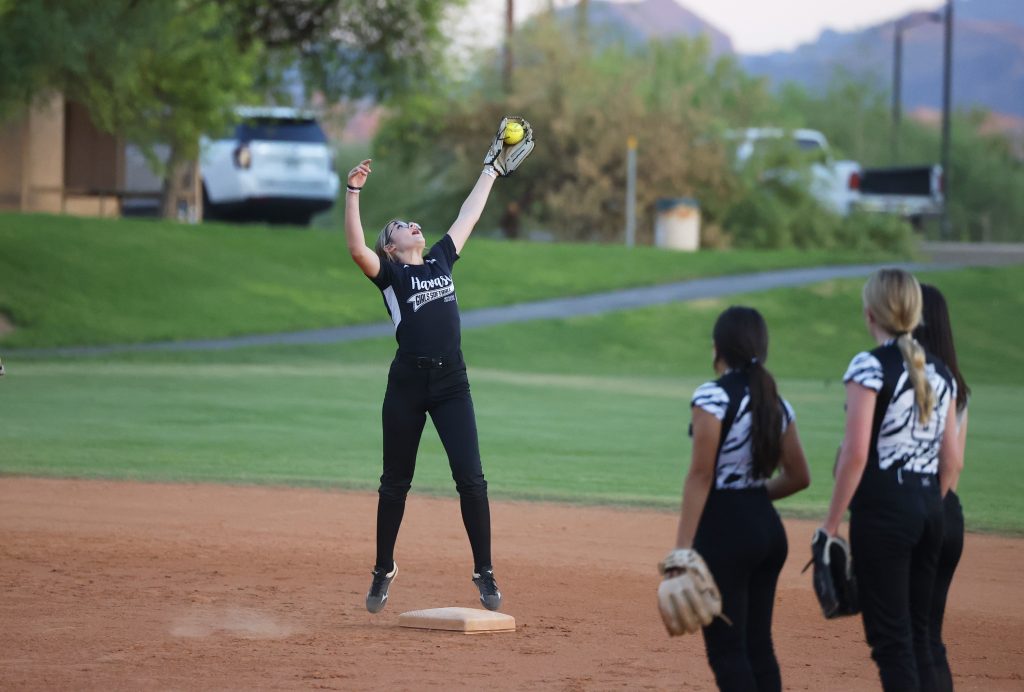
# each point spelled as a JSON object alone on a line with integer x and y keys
{"x": 741, "y": 341}
{"x": 743, "y": 433}
{"x": 935, "y": 333}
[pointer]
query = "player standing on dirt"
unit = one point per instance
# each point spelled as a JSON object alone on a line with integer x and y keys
{"x": 743, "y": 431}
{"x": 898, "y": 457}
{"x": 428, "y": 374}
{"x": 935, "y": 333}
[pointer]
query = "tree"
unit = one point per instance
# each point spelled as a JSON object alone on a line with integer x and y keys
{"x": 348, "y": 48}
{"x": 165, "y": 71}
{"x": 585, "y": 96}
{"x": 584, "y": 100}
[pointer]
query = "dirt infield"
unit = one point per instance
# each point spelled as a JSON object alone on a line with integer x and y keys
{"x": 137, "y": 586}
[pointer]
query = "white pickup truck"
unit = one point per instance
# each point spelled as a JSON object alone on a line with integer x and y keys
{"x": 843, "y": 186}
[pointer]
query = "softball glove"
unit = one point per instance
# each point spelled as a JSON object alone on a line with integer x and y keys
{"x": 506, "y": 158}
{"x": 834, "y": 583}
{"x": 690, "y": 600}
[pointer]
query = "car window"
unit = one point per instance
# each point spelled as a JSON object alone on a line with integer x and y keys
{"x": 777, "y": 143}
{"x": 280, "y": 130}
{"x": 782, "y": 151}
{"x": 771, "y": 147}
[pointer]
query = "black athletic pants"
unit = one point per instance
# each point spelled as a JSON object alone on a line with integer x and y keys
{"x": 741, "y": 538}
{"x": 949, "y": 557}
{"x": 443, "y": 392}
{"x": 895, "y": 553}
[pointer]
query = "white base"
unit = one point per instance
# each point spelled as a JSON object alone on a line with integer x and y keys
{"x": 465, "y": 620}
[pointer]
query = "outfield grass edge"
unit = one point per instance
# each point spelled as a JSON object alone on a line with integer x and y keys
{"x": 666, "y": 507}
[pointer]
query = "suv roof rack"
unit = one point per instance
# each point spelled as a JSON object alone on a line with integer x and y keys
{"x": 276, "y": 112}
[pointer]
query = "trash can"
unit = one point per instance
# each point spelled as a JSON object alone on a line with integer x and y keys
{"x": 677, "y": 224}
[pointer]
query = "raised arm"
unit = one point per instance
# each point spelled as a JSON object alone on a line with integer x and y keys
{"x": 472, "y": 208}
{"x": 362, "y": 255}
{"x": 503, "y": 157}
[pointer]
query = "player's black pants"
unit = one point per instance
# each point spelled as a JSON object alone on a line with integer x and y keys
{"x": 416, "y": 388}
{"x": 740, "y": 537}
{"x": 895, "y": 549}
{"x": 949, "y": 557}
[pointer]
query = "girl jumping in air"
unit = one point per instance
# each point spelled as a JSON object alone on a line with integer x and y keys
{"x": 898, "y": 458}
{"x": 428, "y": 374}
{"x": 743, "y": 432}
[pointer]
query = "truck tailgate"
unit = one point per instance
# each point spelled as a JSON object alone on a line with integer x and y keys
{"x": 905, "y": 180}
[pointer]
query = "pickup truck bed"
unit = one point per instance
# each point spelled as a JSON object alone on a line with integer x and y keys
{"x": 913, "y": 192}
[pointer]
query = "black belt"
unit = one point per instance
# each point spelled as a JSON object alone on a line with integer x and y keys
{"x": 917, "y": 478}
{"x": 428, "y": 362}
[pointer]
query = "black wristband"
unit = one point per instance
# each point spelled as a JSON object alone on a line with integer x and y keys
{"x": 353, "y": 188}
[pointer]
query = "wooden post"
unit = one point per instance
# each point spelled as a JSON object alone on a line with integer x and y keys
{"x": 630, "y": 191}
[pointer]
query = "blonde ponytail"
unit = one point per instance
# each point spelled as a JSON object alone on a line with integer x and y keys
{"x": 893, "y": 297}
{"x": 913, "y": 356}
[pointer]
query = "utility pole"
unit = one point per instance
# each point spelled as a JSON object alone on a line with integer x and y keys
{"x": 947, "y": 105}
{"x": 506, "y": 72}
{"x": 897, "y": 83}
{"x": 901, "y": 25}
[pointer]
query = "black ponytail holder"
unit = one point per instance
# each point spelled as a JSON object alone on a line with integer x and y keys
{"x": 750, "y": 364}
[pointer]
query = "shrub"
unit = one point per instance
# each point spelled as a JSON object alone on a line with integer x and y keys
{"x": 866, "y": 231}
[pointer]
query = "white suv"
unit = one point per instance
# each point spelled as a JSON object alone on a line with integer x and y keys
{"x": 277, "y": 167}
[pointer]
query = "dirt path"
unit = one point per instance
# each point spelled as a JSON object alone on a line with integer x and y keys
{"x": 138, "y": 586}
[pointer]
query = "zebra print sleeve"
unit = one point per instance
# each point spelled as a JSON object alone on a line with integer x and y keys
{"x": 788, "y": 415}
{"x": 712, "y": 398}
{"x": 866, "y": 371}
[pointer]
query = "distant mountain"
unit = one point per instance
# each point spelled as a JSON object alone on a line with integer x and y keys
{"x": 1004, "y": 11}
{"x": 988, "y": 50}
{"x": 638, "y": 22}
{"x": 988, "y": 58}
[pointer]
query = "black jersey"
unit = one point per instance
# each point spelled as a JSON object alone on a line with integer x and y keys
{"x": 421, "y": 301}
{"x": 730, "y": 394}
{"x": 901, "y": 446}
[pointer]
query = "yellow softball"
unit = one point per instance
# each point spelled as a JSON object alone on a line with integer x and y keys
{"x": 513, "y": 133}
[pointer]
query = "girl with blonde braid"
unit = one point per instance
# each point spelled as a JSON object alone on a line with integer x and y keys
{"x": 898, "y": 455}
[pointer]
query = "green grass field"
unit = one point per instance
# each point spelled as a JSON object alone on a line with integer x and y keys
{"x": 74, "y": 281}
{"x": 602, "y": 439}
{"x": 590, "y": 410}
{"x": 587, "y": 410}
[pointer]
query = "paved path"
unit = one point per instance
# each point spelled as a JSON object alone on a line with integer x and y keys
{"x": 593, "y": 304}
{"x": 974, "y": 254}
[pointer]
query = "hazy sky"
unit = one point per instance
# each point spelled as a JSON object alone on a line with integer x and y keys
{"x": 756, "y": 26}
